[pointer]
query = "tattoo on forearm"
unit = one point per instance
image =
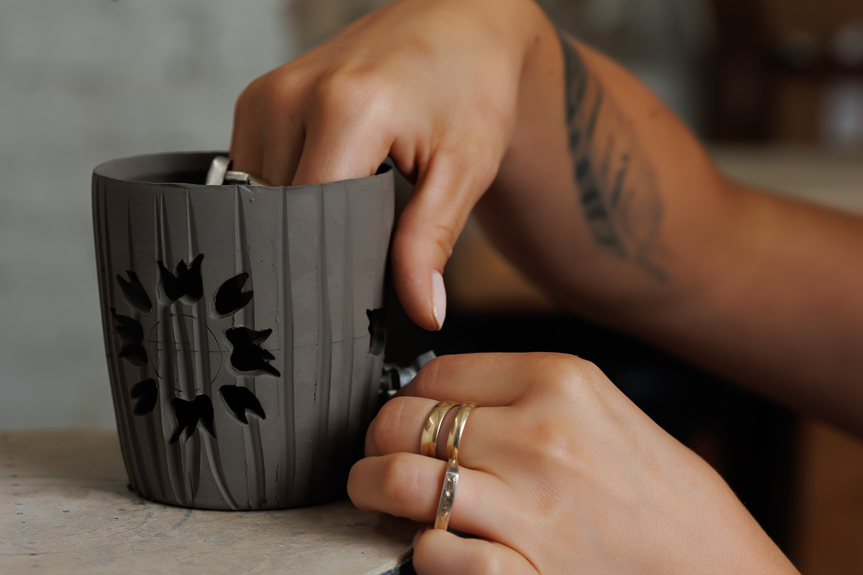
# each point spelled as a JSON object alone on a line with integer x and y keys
{"x": 617, "y": 187}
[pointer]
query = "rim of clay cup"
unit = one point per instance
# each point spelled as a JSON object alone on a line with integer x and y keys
{"x": 146, "y": 168}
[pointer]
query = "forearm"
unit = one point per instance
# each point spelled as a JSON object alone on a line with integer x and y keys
{"x": 615, "y": 209}
{"x": 786, "y": 308}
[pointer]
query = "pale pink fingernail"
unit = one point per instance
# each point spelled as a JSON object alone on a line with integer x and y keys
{"x": 438, "y": 298}
{"x": 418, "y": 535}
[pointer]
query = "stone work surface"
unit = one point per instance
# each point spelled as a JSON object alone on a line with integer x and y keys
{"x": 66, "y": 509}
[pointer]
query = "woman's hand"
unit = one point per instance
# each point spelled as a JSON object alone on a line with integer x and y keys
{"x": 432, "y": 84}
{"x": 560, "y": 473}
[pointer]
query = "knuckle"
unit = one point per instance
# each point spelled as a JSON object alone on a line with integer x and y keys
{"x": 425, "y": 381}
{"x": 280, "y": 88}
{"x": 586, "y": 370}
{"x": 444, "y": 238}
{"x": 558, "y": 371}
{"x": 551, "y": 447}
{"x": 485, "y": 563}
{"x": 385, "y": 428}
{"x": 486, "y": 166}
{"x": 347, "y": 94}
{"x": 441, "y": 237}
{"x": 400, "y": 480}
{"x": 248, "y": 97}
{"x": 567, "y": 375}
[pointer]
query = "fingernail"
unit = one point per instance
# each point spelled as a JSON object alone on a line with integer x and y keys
{"x": 418, "y": 535}
{"x": 438, "y": 298}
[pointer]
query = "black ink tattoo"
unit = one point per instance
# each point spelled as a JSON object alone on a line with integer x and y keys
{"x": 617, "y": 187}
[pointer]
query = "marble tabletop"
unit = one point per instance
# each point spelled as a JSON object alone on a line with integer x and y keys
{"x": 66, "y": 509}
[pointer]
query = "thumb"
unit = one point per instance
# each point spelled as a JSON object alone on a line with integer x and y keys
{"x": 426, "y": 233}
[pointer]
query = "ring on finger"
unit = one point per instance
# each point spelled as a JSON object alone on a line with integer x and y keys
{"x": 454, "y": 439}
{"x": 447, "y": 495}
{"x": 431, "y": 429}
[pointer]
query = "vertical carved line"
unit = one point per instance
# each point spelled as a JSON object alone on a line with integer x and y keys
{"x": 178, "y": 371}
{"x": 160, "y": 449}
{"x": 192, "y": 446}
{"x": 255, "y": 473}
{"x": 130, "y": 449}
{"x": 179, "y": 333}
{"x": 166, "y": 385}
{"x": 155, "y": 462}
{"x": 142, "y": 375}
{"x": 325, "y": 358}
{"x": 286, "y": 471}
{"x": 373, "y": 362}
{"x": 215, "y": 458}
{"x": 200, "y": 341}
{"x": 343, "y": 437}
{"x": 203, "y": 379}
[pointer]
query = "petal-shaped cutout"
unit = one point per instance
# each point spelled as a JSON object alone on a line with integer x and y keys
{"x": 186, "y": 283}
{"x": 248, "y": 356}
{"x": 146, "y": 392}
{"x": 135, "y": 354}
{"x": 230, "y": 298}
{"x": 170, "y": 284}
{"x": 193, "y": 285}
{"x": 189, "y": 413}
{"x": 240, "y": 400}
{"x": 134, "y": 293}
{"x": 377, "y": 330}
{"x": 130, "y": 330}
{"x": 131, "y": 333}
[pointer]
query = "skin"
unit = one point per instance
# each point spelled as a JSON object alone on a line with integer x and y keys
{"x": 560, "y": 473}
{"x": 601, "y": 195}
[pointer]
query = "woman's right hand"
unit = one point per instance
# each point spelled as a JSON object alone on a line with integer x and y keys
{"x": 432, "y": 84}
{"x": 560, "y": 473}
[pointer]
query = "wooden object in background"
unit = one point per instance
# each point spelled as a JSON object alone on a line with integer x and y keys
{"x": 830, "y": 502}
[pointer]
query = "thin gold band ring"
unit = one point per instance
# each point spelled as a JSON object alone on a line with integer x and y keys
{"x": 431, "y": 429}
{"x": 454, "y": 439}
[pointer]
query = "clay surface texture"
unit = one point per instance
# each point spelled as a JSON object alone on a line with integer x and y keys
{"x": 242, "y": 328}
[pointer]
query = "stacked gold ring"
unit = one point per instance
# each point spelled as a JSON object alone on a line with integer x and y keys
{"x": 428, "y": 446}
{"x": 454, "y": 439}
{"x": 431, "y": 429}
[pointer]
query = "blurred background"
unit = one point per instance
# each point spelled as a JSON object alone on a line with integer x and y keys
{"x": 775, "y": 87}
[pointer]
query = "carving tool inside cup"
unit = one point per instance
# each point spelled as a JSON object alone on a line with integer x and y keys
{"x": 220, "y": 173}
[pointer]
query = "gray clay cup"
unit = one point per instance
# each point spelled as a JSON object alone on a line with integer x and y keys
{"x": 244, "y": 329}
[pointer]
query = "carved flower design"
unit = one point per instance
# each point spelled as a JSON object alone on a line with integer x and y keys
{"x": 247, "y": 357}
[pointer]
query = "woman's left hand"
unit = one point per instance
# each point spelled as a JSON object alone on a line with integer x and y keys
{"x": 560, "y": 473}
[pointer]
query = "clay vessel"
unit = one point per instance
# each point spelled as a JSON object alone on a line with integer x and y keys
{"x": 243, "y": 328}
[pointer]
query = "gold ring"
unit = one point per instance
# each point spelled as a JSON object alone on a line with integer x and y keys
{"x": 428, "y": 440}
{"x": 454, "y": 439}
{"x": 447, "y": 495}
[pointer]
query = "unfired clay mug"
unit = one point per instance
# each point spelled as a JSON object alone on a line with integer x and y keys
{"x": 243, "y": 328}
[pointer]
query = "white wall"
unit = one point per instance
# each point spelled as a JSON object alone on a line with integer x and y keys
{"x": 81, "y": 82}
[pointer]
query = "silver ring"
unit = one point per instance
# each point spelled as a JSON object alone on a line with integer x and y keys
{"x": 447, "y": 495}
